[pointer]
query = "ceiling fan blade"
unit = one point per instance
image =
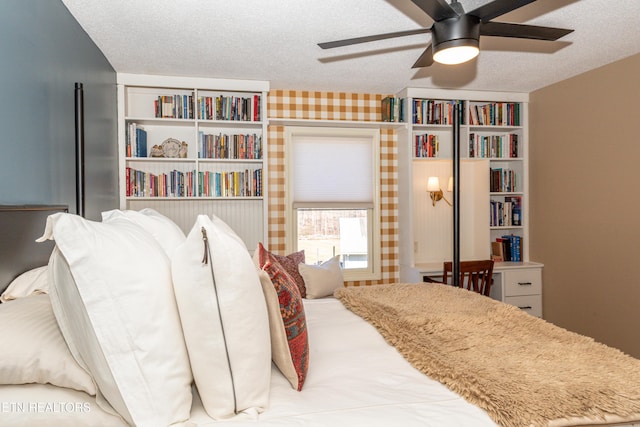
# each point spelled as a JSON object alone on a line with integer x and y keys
{"x": 426, "y": 59}
{"x": 436, "y": 9}
{"x": 522, "y": 31}
{"x": 497, "y": 8}
{"x": 365, "y": 39}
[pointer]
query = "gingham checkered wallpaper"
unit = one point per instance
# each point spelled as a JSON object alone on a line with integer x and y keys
{"x": 293, "y": 104}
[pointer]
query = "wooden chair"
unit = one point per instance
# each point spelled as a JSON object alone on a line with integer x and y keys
{"x": 474, "y": 275}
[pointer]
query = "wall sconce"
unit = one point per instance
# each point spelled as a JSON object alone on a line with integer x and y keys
{"x": 435, "y": 192}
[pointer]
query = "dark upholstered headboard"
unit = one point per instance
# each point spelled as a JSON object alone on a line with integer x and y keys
{"x": 20, "y": 226}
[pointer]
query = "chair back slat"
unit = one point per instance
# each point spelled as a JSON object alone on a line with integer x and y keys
{"x": 475, "y": 276}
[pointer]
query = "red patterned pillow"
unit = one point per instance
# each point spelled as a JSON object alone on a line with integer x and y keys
{"x": 293, "y": 323}
{"x": 290, "y": 264}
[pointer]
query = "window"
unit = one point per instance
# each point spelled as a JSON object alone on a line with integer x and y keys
{"x": 333, "y": 197}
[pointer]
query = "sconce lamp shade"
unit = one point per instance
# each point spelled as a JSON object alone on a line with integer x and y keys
{"x": 450, "y": 186}
{"x": 434, "y": 190}
{"x": 433, "y": 184}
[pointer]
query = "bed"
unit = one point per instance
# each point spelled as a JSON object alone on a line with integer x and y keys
{"x": 353, "y": 375}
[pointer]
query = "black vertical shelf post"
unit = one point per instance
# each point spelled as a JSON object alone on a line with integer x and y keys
{"x": 456, "y": 195}
{"x": 79, "y": 134}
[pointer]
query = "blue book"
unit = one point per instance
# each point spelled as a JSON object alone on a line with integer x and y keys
{"x": 141, "y": 142}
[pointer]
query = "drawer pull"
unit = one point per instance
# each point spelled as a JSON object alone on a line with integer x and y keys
{"x": 526, "y": 307}
{"x": 525, "y": 283}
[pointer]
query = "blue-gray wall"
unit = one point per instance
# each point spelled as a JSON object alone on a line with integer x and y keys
{"x": 43, "y": 52}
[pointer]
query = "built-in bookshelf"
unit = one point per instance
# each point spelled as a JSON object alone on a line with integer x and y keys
{"x": 493, "y": 189}
{"x": 493, "y": 182}
{"x": 191, "y": 146}
{"x": 497, "y": 132}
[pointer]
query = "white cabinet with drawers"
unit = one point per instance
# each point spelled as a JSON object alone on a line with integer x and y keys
{"x": 519, "y": 285}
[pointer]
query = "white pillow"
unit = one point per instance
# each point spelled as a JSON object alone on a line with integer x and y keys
{"x": 33, "y": 349}
{"x": 224, "y": 318}
{"x": 163, "y": 229}
{"x": 112, "y": 296}
{"x": 34, "y": 281}
{"x": 321, "y": 280}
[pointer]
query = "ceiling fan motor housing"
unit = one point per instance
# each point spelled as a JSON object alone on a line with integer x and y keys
{"x": 461, "y": 31}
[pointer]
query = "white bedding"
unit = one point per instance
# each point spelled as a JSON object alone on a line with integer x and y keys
{"x": 355, "y": 378}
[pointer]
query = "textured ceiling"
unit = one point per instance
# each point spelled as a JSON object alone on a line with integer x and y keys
{"x": 276, "y": 40}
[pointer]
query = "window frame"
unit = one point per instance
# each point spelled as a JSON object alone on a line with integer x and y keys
{"x": 374, "y": 271}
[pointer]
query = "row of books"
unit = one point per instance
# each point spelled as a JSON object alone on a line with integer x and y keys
{"x": 426, "y": 145}
{"x": 493, "y": 146}
{"x": 495, "y": 114}
{"x": 174, "y": 106}
{"x": 173, "y": 184}
{"x": 136, "y": 141}
{"x": 435, "y": 112}
{"x": 503, "y": 180}
{"x": 507, "y": 248}
{"x": 247, "y": 183}
{"x": 392, "y": 109}
{"x": 233, "y": 108}
{"x": 506, "y": 213}
{"x": 222, "y": 146}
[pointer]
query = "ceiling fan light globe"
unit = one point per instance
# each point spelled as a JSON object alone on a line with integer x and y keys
{"x": 456, "y": 54}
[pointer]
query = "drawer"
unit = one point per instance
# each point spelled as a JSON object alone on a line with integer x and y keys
{"x": 532, "y": 304}
{"x": 522, "y": 282}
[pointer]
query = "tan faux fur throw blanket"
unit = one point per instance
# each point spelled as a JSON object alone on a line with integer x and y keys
{"x": 521, "y": 369}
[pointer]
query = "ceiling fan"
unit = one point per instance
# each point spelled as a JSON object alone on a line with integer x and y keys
{"x": 455, "y": 35}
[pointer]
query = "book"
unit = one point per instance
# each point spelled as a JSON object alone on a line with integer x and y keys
{"x": 495, "y": 114}
{"x": 497, "y": 253}
{"x": 511, "y": 247}
{"x": 426, "y": 145}
{"x": 516, "y": 209}
{"x": 141, "y": 142}
{"x": 506, "y": 247}
{"x": 391, "y": 109}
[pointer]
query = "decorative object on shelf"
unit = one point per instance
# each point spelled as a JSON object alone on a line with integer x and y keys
{"x": 171, "y": 147}
{"x": 156, "y": 151}
{"x": 435, "y": 192}
{"x": 455, "y": 35}
{"x": 184, "y": 149}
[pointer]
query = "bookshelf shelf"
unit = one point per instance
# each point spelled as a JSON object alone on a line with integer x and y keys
{"x": 161, "y": 121}
{"x": 336, "y": 123}
{"x": 431, "y": 127}
{"x": 183, "y": 198}
{"x": 229, "y": 124}
{"x": 159, "y": 160}
{"x": 209, "y": 160}
{"x": 193, "y": 121}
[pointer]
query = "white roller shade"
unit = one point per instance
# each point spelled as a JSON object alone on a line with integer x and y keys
{"x": 332, "y": 169}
